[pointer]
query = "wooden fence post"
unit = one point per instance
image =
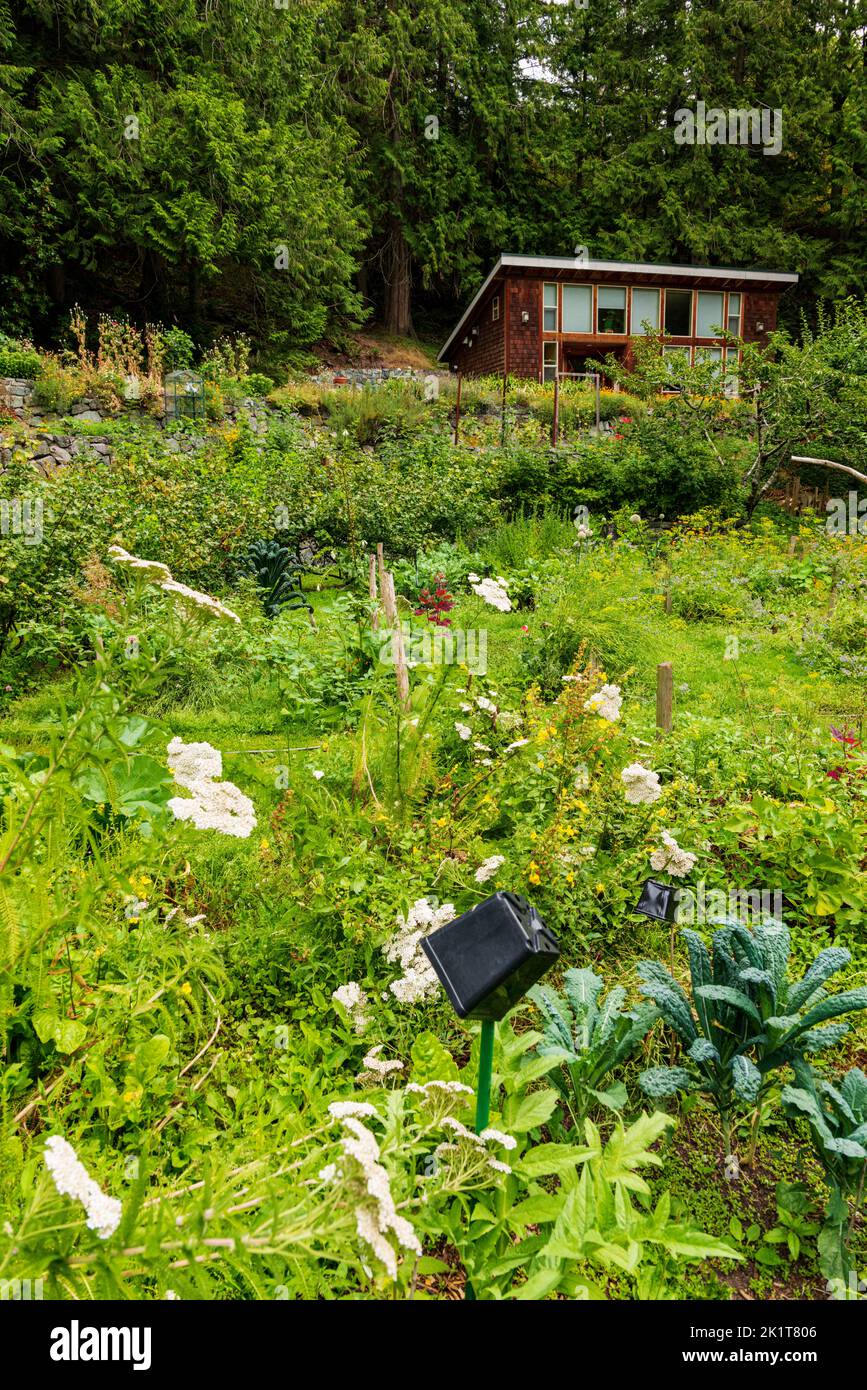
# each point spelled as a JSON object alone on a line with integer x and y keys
{"x": 458, "y": 408}
{"x": 555, "y": 424}
{"x": 401, "y": 670}
{"x": 664, "y": 696}
{"x": 371, "y": 586}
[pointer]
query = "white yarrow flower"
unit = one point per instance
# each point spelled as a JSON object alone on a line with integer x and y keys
{"x": 418, "y": 980}
{"x": 72, "y": 1179}
{"x": 358, "y": 1109}
{"x": 161, "y": 575}
{"x": 606, "y": 703}
{"x": 489, "y": 868}
{"x": 212, "y": 805}
{"x": 642, "y": 785}
{"x": 354, "y": 1001}
{"x": 494, "y": 594}
{"x": 463, "y": 731}
{"x": 671, "y": 858}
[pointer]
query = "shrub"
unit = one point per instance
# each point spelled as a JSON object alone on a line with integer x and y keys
{"x": 23, "y": 363}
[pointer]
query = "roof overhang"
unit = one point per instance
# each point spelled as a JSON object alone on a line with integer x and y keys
{"x": 555, "y": 267}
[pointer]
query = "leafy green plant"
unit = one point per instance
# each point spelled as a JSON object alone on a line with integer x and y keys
{"x": 589, "y": 1036}
{"x": 837, "y": 1116}
{"x": 743, "y": 1004}
{"x": 276, "y": 575}
{"x": 22, "y": 363}
{"x": 793, "y": 1228}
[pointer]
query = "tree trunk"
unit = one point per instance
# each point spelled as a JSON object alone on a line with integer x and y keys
{"x": 398, "y": 280}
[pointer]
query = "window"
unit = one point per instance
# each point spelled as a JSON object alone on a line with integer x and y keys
{"x": 675, "y": 358}
{"x": 577, "y": 309}
{"x": 645, "y": 306}
{"x": 495, "y": 308}
{"x": 549, "y": 304}
{"x": 549, "y": 361}
{"x": 709, "y": 354}
{"x": 709, "y": 316}
{"x": 610, "y": 310}
{"x": 734, "y": 320}
{"x": 678, "y": 313}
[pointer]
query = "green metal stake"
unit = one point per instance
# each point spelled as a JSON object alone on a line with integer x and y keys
{"x": 483, "y": 1101}
{"x": 486, "y": 1066}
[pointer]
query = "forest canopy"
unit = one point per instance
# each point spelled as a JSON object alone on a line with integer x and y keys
{"x": 296, "y": 167}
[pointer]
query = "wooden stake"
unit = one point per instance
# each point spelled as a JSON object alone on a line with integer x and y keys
{"x": 458, "y": 408}
{"x": 401, "y": 670}
{"x": 371, "y": 584}
{"x": 664, "y": 696}
{"x": 555, "y": 424}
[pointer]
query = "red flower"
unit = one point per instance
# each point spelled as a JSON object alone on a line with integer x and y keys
{"x": 433, "y": 606}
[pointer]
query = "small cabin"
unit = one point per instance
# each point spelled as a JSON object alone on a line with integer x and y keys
{"x": 547, "y": 316}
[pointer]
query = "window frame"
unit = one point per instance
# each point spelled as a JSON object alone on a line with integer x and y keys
{"x": 612, "y": 332}
{"x": 495, "y": 309}
{"x": 665, "y": 329}
{"x": 546, "y": 344}
{"x": 577, "y": 332}
{"x": 551, "y": 308}
{"x": 739, "y": 295}
{"x": 713, "y": 337}
{"x": 636, "y": 331}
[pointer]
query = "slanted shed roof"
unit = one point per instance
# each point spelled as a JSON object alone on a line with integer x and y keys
{"x": 639, "y": 272}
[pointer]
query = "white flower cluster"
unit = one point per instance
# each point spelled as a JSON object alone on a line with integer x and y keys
{"x": 354, "y": 1001}
{"x": 463, "y": 731}
{"x": 378, "y": 1067}
{"x": 583, "y": 532}
{"x": 418, "y": 980}
{"x": 606, "y": 703}
{"x": 214, "y": 805}
{"x": 454, "y": 1088}
{"x": 161, "y": 575}
{"x": 477, "y": 1141}
{"x": 72, "y": 1179}
{"x": 373, "y": 1223}
{"x": 671, "y": 858}
{"x": 493, "y": 591}
{"x": 489, "y": 868}
{"x": 641, "y": 784}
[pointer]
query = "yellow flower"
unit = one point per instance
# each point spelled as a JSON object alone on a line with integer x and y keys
{"x": 443, "y": 820}
{"x": 533, "y": 878}
{"x": 186, "y": 987}
{"x": 600, "y": 888}
{"x": 570, "y": 878}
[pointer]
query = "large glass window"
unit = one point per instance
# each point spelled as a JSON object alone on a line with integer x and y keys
{"x": 577, "y": 309}
{"x": 610, "y": 310}
{"x": 709, "y": 354}
{"x": 549, "y": 361}
{"x": 549, "y": 302}
{"x": 645, "y": 308}
{"x": 678, "y": 313}
{"x": 734, "y": 320}
{"x": 709, "y": 315}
